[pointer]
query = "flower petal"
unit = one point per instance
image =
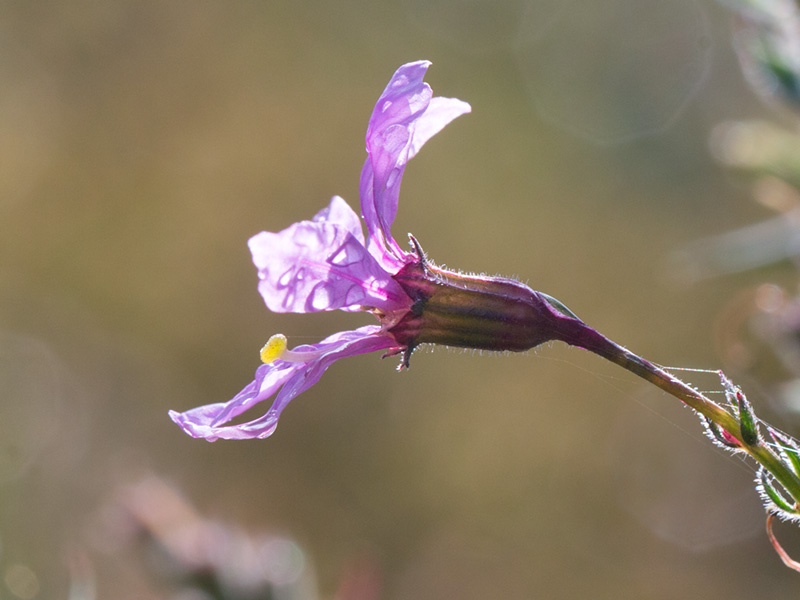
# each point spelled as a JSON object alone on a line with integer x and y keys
{"x": 288, "y": 379}
{"x": 405, "y": 117}
{"x": 339, "y": 213}
{"x": 322, "y": 265}
{"x": 204, "y": 421}
{"x": 441, "y": 111}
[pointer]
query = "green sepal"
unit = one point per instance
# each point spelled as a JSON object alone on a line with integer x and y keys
{"x": 788, "y": 448}
{"x": 774, "y": 495}
{"x": 748, "y": 424}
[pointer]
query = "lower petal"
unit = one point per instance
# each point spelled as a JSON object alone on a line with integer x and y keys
{"x": 282, "y": 379}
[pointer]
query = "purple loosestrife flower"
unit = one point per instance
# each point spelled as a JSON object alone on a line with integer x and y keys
{"x": 326, "y": 263}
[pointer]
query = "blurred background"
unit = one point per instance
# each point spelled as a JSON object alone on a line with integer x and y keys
{"x": 142, "y": 144}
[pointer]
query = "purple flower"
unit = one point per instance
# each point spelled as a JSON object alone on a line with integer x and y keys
{"x": 326, "y": 263}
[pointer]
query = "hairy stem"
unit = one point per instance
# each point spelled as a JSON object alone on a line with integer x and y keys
{"x": 585, "y": 337}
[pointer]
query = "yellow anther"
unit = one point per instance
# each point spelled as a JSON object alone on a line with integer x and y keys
{"x": 274, "y": 348}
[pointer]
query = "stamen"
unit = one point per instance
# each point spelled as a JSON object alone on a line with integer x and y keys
{"x": 276, "y": 349}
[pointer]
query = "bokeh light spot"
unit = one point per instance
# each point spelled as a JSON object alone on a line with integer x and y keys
{"x": 615, "y": 70}
{"x": 22, "y": 582}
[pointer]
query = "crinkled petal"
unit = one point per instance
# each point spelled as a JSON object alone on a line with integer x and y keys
{"x": 339, "y": 213}
{"x": 405, "y": 117}
{"x": 288, "y": 379}
{"x": 320, "y": 265}
{"x": 204, "y": 421}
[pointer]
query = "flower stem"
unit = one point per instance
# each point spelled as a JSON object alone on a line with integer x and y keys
{"x": 583, "y": 336}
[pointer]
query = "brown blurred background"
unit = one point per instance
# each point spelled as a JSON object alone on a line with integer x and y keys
{"x": 142, "y": 143}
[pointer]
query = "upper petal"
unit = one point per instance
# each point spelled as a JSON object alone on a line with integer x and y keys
{"x": 440, "y": 112}
{"x": 405, "y": 117}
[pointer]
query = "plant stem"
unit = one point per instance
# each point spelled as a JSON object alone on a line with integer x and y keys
{"x": 585, "y": 337}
